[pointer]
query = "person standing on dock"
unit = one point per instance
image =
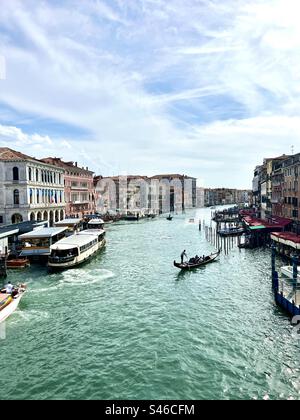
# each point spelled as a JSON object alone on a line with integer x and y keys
{"x": 183, "y": 254}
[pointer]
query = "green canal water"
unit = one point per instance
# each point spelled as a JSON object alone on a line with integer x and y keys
{"x": 129, "y": 326}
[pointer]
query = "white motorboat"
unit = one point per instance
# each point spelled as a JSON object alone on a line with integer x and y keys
{"x": 76, "y": 249}
{"x": 9, "y": 304}
{"x": 288, "y": 272}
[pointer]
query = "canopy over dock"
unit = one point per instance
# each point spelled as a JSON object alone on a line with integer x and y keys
{"x": 286, "y": 238}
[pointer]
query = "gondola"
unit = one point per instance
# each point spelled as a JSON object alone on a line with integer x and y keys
{"x": 231, "y": 232}
{"x": 189, "y": 266}
{"x": 170, "y": 218}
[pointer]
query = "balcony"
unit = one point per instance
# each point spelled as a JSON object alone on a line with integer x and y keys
{"x": 78, "y": 188}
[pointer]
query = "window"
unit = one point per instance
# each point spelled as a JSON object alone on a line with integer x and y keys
{"x": 16, "y": 218}
{"x": 30, "y": 174}
{"x": 37, "y": 175}
{"x": 16, "y": 174}
{"x": 16, "y": 197}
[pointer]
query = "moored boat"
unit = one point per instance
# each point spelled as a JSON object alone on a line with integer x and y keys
{"x": 17, "y": 263}
{"x": 76, "y": 249}
{"x": 96, "y": 224}
{"x": 288, "y": 271}
{"x": 231, "y": 232}
{"x": 8, "y": 303}
{"x": 200, "y": 263}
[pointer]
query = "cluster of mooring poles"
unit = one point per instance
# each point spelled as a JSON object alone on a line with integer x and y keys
{"x": 225, "y": 244}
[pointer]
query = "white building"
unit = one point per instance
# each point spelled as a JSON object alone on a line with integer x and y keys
{"x": 29, "y": 189}
{"x": 200, "y": 197}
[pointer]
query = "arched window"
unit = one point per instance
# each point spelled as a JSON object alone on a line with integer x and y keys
{"x": 37, "y": 175}
{"x": 16, "y": 218}
{"x": 16, "y": 197}
{"x": 30, "y": 174}
{"x": 16, "y": 174}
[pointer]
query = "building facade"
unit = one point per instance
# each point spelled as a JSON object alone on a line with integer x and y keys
{"x": 291, "y": 191}
{"x": 156, "y": 195}
{"x": 276, "y": 188}
{"x": 78, "y": 187}
{"x": 226, "y": 196}
{"x": 31, "y": 190}
{"x": 200, "y": 197}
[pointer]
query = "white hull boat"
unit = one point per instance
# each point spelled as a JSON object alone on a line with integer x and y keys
{"x": 288, "y": 272}
{"x": 11, "y": 306}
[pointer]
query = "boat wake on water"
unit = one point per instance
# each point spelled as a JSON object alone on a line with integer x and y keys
{"x": 75, "y": 277}
{"x": 29, "y": 316}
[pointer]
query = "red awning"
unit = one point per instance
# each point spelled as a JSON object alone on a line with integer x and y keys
{"x": 273, "y": 223}
{"x": 287, "y": 236}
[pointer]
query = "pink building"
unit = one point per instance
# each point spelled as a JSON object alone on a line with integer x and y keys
{"x": 79, "y": 188}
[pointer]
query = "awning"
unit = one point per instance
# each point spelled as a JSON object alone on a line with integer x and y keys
{"x": 257, "y": 227}
{"x": 287, "y": 238}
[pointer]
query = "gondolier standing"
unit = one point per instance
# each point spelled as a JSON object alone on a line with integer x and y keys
{"x": 183, "y": 254}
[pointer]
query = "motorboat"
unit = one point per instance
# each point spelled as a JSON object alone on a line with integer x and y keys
{"x": 9, "y": 303}
{"x": 17, "y": 263}
{"x": 76, "y": 249}
{"x": 288, "y": 271}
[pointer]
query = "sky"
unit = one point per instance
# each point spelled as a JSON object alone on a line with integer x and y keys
{"x": 207, "y": 88}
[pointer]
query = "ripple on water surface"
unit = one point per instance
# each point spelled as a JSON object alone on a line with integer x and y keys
{"x": 129, "y": 325}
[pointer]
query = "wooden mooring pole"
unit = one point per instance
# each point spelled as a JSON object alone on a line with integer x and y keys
{"x": 3, "y": 266}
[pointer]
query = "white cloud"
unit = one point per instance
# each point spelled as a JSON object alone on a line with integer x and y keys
{"x": 2, "y": 68}
{"x": 13, "y": 135}
{"x": 156, "y": 85}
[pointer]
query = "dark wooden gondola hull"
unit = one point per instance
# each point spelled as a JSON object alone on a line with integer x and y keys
{"x": 233, "y": 233}
{"x": 187, "y": 267}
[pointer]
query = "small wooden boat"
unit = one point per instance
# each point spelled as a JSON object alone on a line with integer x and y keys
{"x": 9, "y": 304}
{"x": 231, "y": 232}
{"x": 170, "y": 218}
{"x": 190, "y": 266}
{"x": 17, "y": 263}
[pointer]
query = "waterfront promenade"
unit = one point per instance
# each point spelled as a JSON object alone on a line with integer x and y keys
{"x": 129, "y": 325}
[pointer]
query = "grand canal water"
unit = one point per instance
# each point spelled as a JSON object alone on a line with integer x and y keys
{"x": 129, "y": 326}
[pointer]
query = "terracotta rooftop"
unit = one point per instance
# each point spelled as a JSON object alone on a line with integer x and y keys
{"x": 7, "y": 154}
{"x": 172, "y": 176}
{"x": 68, "y": 166}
